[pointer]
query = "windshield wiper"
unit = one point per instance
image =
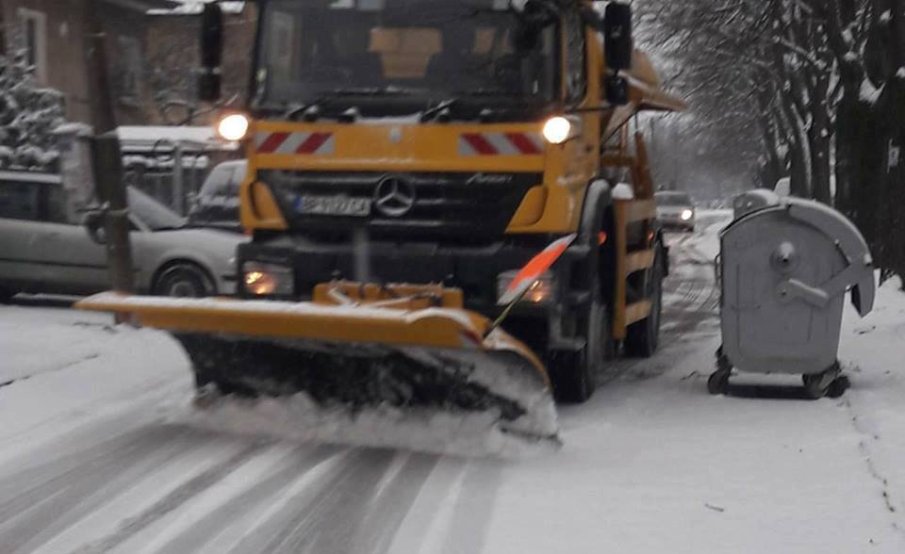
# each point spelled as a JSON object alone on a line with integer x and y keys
{"x": 313, "y": 107}
{"x": 170, "y": 227}
{"x": 371, "y": 91}
{"x": 482, "y": 92}
{"x": 439, "y": 109}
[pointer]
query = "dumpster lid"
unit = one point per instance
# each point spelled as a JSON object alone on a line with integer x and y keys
{"x": 859, "y": 273}
{"x": 848, "y": 239}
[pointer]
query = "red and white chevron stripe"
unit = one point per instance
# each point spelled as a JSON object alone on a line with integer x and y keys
{"x": 501, "y": 144}
{"x": 295, "y": 143}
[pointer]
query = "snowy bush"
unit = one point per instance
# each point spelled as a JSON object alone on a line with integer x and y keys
{"x": 28, "y": 115}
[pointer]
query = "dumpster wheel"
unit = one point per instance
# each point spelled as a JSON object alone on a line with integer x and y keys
{"x": 830, "y": 382}
{"x": 718, "y": 383}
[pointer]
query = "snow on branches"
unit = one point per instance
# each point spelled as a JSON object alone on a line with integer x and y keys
{"x": 29, "y": 114}
{"x": 822, "y": 82}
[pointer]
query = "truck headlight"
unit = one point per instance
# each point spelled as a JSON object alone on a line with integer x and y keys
{"x": 233, "y": 127}
{"x": 262, "y": 279}
{"x": 687, "y": 215}
{"x": 560, "y": 129}
{"x": 557, "y": 130}
{"x": 541, "y": 292}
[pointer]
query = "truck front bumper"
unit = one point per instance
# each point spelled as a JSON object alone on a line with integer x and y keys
{"x": 474, "y": 269}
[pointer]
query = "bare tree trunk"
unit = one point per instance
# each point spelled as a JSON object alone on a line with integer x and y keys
{"x": 819, "y": 137}
{"x": 891, "y": 106}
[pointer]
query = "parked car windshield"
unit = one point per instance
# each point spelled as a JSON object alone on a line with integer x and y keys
{"x": 152, "y": 213}
{"x": 406, "y": 49}
{"x": 673, "y": 199}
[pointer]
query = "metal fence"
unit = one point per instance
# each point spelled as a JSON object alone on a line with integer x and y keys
{"x": 171, "y": 172}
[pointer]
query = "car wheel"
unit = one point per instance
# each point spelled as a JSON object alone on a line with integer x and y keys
{"x": 184, "y": 281}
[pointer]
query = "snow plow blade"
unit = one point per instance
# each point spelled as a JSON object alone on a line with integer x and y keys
{"x": 358, "y": 348}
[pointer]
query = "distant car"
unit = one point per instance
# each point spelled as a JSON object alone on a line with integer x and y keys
{"x": 217, "y": 203}
{"x": 44, "y": 248}
{"x": 675, "y": 210}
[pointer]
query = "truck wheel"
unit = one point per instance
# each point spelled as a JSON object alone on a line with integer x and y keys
{"x": 643, "y": 337}
{"x": 574, "y": 374}
{"x": 6, "y": 295}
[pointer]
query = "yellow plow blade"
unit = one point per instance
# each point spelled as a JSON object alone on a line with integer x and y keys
{"x": 359, "y": 356}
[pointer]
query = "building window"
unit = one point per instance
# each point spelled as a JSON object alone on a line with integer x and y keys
{"x": 130, "y": 61}
{"x": 34, "y": 36}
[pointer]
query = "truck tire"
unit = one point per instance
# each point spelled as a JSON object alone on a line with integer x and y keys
{"x": 574, "y": 374}
{"x": 643, "y": 337}
{"x": 6, "y": 295}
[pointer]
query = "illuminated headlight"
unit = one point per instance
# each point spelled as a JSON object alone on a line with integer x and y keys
{"x": 267, "y": 279}
{"x": 541, "y": 292}
{"x": 687, "y": 215}
{"x": 233, "y": 127}
{"x": 559, "y": 129}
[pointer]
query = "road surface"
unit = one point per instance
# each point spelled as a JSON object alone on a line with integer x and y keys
{"x": 92, "y": 459}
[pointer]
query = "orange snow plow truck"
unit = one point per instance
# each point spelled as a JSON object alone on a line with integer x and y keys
{"x": 432, "y": 197}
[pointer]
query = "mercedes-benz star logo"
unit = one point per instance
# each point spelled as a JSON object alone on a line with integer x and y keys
{"x": 394, "y": 196}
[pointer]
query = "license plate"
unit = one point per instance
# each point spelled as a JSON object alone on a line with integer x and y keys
{"x": 335, "y": 205}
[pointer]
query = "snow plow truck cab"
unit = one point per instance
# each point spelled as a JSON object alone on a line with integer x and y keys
{"x": 430, "y": 196}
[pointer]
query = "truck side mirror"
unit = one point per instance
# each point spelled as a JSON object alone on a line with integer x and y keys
{"x": 616, "y": 90}
{"x": 619, "y": 43}
{"x": 209, "y": 80}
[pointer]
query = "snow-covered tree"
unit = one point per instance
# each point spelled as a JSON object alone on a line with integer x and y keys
{"x": 28, "y": 116}
{"x": 822, "y": 84}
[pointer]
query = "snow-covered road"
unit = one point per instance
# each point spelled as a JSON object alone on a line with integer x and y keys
{"x": 94, "y": 456}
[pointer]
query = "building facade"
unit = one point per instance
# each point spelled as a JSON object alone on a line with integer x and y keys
{"x": 143, "y": 51}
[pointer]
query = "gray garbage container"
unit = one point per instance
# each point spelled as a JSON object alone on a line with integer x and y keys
{"x": 784, "y": 268}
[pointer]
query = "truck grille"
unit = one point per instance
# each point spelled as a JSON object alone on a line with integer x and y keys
{"x": 461, "y": 206}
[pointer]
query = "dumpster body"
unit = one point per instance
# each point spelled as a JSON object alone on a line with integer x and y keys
{"x": 784, "y": 268}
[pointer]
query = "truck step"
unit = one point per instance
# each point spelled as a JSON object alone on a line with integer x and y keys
{"x": 638, "y": 261}
{"x": 637, "y": 311}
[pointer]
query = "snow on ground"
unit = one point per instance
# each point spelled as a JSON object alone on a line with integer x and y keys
{"x": 94, "y": 458}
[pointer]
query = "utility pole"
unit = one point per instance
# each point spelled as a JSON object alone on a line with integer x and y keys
{"x": 107, "y": 167}
{"x": 102, "y": 112}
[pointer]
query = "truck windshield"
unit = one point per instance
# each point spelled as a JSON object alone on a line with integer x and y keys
{"x": 416, "y": 51}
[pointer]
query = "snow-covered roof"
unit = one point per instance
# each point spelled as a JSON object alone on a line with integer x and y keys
{"x": 29, "y": 177}
{"x": 139, "y": 138}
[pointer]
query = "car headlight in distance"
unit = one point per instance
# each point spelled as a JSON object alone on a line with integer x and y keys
{"x": 262, "y": 279}
{"x": 541, "y": 292}
{"x": 233, "y": 127}
{"x": 687, "y": 215}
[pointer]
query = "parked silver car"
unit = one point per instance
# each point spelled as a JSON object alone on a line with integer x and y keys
{"x": 675, "y": 210}
{"x": 44, "y": 247}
